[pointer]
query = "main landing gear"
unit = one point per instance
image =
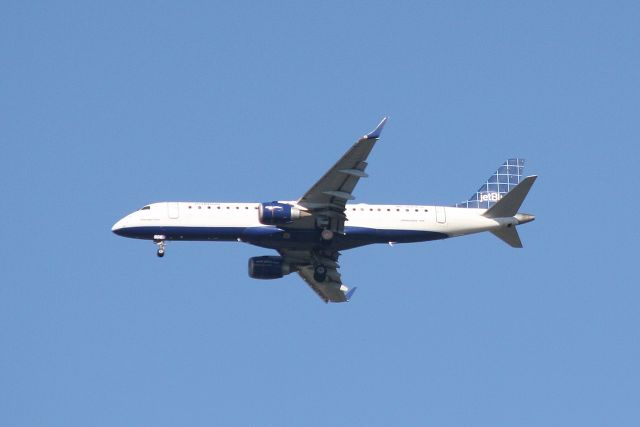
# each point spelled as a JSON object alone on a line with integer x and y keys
{"x": 320, "y": 273}
{"x": 326, "y": 235}
{"x": 159, "y": 241}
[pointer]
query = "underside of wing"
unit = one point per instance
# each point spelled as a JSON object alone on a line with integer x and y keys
{"x": 320, "y": 271}
{"x": 327, "y": 198}
{"x": 330, "y": 290}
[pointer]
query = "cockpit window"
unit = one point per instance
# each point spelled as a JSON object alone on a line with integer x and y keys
{"x": 146, "y": 208}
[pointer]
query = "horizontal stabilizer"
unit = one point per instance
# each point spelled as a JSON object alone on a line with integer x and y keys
{"x": 508, "y": 235}
{"x": 509, "y": 204}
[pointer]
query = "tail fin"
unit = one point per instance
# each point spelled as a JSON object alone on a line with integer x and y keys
{"x": 508, "y": 207}
{"x": 505, "y": 179}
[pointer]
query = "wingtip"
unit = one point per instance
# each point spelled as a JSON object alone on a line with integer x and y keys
{"x": 378, "y": 130}
{"x": 350, "y": 293}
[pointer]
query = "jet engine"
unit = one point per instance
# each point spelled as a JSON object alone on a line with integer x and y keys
{"x": 274, "y": 213}
{"x": 268, "y": 267}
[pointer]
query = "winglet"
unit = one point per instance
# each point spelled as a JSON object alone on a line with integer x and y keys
{"x": 377, "y": 131}
{"x": 349, "y": 294}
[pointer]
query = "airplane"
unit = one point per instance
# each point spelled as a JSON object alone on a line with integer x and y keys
{"x": 310, "y": 232}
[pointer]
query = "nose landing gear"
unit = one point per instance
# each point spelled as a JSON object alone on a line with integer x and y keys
{"x": 159, "y": 241}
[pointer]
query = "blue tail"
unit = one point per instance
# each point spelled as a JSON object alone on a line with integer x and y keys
{"x": 500, "y": 183}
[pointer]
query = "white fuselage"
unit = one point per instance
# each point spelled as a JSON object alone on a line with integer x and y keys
{"x": 365, "y": 224}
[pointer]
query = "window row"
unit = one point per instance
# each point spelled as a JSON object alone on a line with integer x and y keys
{"x": 226, "y": 207}
{"x": 389, "y": 209}
{"x": 353, "y": 209}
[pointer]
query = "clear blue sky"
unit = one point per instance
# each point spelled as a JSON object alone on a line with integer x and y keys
{"x": 105, "y": 107}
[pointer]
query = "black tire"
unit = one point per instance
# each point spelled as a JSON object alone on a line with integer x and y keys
{"x": 160, "y": 254}
{"x": 320, "y": 273}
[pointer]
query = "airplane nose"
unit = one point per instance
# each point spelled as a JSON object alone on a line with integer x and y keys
{"x": 117, "y": 227}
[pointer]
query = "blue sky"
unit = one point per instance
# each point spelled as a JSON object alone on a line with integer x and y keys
{"x": 105, "y": 107}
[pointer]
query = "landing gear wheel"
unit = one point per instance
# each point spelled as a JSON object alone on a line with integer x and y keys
{"x": 320, "y": 273}
{"x": 326, "y": 234}
{"x": 326, "y": 237}
{"x": 159, "y": 241}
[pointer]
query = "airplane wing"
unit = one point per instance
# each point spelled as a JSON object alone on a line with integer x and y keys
{"x": 331, "y": 289}
{"x": 327, "y": 198}
{"x": 326, "y": 202}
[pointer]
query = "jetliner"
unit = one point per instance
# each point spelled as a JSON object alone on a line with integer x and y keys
{"x": 310, "y": 232}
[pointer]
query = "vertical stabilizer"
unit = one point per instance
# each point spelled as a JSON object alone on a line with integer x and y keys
{"x": 505, "y": 179}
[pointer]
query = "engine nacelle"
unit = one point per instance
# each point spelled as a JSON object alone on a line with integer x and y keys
{"x": 274, "y": 213}
{"x": 268, "y": 267}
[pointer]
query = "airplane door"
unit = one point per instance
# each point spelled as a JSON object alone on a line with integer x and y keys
{"x": 174, "y": 209}
{"x": 441, "y": 215}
